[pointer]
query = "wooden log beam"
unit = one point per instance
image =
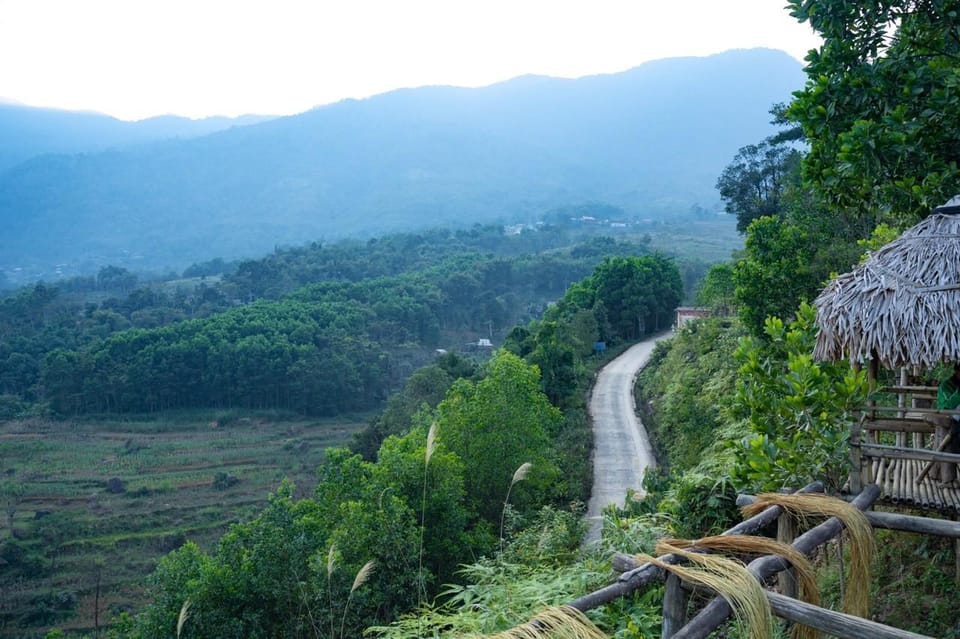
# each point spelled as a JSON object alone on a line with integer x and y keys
{"x": 897, "y": 521}
{"x": 909, "y": 523}
{"x": 763, "y": 568}
{"x": 675, "y": 600}
{"x": 905, "y": 425}
{"x": 836, "y": 624}
{"x": 898, "y": 452}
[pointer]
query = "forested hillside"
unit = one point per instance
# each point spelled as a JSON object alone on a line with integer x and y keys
{"x": 644, "y": 140}
{"x": 263, "y": 336}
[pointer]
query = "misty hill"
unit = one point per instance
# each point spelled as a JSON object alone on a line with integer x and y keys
{"x": 30, "y": 131}
{"x": 650, "y": 140}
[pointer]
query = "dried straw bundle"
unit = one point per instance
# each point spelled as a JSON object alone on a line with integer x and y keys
{"x": 748, "y": 544}
{"x": 561, "y": 622}
{"x": 902, "y": 305}
{"x": 730, "y": 579}
{"x": 861, "y": 533}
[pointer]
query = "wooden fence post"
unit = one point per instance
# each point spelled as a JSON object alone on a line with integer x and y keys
{"x": 674, "y": 606}
{"x": 787, "y": 533}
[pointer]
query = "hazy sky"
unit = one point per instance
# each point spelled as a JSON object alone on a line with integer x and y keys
{"x": 138, "y": 58}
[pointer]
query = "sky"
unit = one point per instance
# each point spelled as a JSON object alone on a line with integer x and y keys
{"x": 134, "y": 59}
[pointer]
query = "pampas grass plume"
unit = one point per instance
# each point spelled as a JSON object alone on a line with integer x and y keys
{"x": 182, "y": 618}
{"x": 363, "y": 574}
{"x": 521, "y": 473}
{"x": 431, "y": 441}
{"x": 331, "y": 560}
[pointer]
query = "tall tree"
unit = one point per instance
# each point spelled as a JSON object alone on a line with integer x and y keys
{"x": 753, "y": 184}
{"x": 881, "y": 107}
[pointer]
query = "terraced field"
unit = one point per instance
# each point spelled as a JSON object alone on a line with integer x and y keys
{"x": 89, "y": 507}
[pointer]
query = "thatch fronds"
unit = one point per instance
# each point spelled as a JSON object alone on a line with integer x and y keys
{"x": 561, "y": 622}
{"x": 749, "y": 544}
{"x": 802, "y": 505}
{"x": 730, "y": 579}
{"x": 902, "y": 306}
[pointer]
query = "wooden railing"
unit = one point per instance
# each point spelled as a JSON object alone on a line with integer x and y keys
{"x": 905, "y": 448}
{"x": 636, "y": 576}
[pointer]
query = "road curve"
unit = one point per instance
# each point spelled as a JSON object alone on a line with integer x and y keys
{"x": 621, "y": 448}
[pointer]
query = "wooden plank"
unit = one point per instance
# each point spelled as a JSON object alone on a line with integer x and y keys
{"x": 893, "y": 425}
{"x": 787, "y": 530}
{"x": 675, "y": 600}
{"x": 915, "y": 390}
{"x": 833, "y": 623}
{"x": 896, "y": 452}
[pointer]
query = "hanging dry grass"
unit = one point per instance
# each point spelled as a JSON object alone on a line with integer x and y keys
{"x": 857, "y": 600}
{"x": 902, "y": 305}
{"x": 749, "y": 544}
{"x": 730, "y": 579}
{"x": 561, "y": 622}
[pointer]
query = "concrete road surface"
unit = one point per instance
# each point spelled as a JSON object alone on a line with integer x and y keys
{"x": 621, "y": 448}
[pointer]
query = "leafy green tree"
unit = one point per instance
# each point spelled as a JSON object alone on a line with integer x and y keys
{"x": 775, "y": 272}
{"x": 717, "y": 289}
{"x": 799, "y": 411}
{"x": 880, "y": 109}
{"x": 753, "y": 185}
{"x": 494, "y": 426}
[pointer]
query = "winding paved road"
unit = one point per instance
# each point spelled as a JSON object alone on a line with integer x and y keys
{"x": 621, "y": 448}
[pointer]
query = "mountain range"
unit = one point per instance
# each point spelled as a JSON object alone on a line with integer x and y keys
{"x": 651, "y": 140}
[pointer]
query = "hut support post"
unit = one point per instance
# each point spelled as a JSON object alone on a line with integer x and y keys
{"x": 856, "y": 472}
{"x": 675, "y": 599}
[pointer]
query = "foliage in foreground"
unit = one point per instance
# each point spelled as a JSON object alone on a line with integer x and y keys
{"x": 799, "y": 411}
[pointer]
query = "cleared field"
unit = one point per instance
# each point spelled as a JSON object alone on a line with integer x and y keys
{"x": 90, "y": 506}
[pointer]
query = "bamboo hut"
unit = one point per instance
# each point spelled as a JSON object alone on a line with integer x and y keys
{"x": 900, "y": 310}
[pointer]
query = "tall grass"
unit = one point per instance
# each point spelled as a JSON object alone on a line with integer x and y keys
{"x": 518, "y": 475}
{"x": 362, "y": 575}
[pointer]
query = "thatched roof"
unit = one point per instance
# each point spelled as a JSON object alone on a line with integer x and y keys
{"x": 902, "y": 306}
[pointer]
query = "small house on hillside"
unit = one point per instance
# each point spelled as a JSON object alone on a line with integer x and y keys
{"x": 688, "y": 313}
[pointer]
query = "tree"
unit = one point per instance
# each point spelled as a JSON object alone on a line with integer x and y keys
{"x": 774, "y": 274}
{"x": 717, "y": 289}
{"x": 799, "y": 411}
{"x": 753, "y": 185}
{"x": 880, "y": 109}
{"x": 496, "y": 425}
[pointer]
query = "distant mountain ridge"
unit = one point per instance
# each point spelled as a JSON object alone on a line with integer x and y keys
{"x": 651, "y": 140}
{"x": 28, "y": 131}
